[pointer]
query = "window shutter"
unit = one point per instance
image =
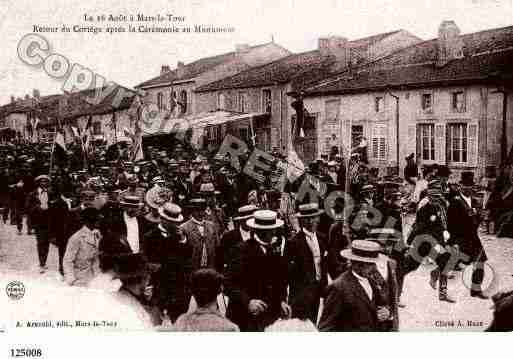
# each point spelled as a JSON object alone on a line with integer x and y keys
{"x": 472, "y": 144}
{"x": 412, "y": 140}
{"x": 440, "y": 143}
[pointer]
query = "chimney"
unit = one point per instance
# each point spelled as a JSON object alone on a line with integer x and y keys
{"x": 164, "y": 69}
{"x": 180, "y": 69}
{"x": 241, "y": 49}
{"x": 13, "y": 99}
{"x": 450, "y": 44}
{"x": 27, "y": 97}
{"x": 36, "y": 93}
{"x": 336, "y": 46}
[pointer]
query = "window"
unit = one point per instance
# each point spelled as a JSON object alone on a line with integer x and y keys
{"x": 379, "y": 142}
{"x": 379, "y": 104}
{"x": 332, "y": 111}
{"x": 183, "y": 100}
{"x": 458, "y": 101}
{"x": 266, "y": 101}
{"x": 426, "y": 137}
{"x": 427, "y": 102}
{"x": 160, "y": 101}
{"x": 244, "y": 134}
{"x": 242, "y": 101}
{"x": 221, "y": 101}
{"x": 457, "y": 142}
{"x": 97, "y": 128}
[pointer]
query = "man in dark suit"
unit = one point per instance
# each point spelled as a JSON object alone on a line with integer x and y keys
{"x": 308, "y": 266}
{"x": 38, "y": 204}
{"x": 353, "y": 300}
{"x": 257, "y": 282}
{"x": 123, "y": 229}
{"x": 231, "y": 241}
{"x": 202, "y": 235}
{"x": 463, "y": 224}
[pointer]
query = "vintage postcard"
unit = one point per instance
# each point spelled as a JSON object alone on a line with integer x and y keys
{"x": 266, "y": 166}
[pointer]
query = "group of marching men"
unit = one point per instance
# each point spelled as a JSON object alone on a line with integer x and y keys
{"x": 199, "y": 246}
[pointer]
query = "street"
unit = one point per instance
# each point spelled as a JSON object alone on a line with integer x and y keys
{"x": 423, "y": 311}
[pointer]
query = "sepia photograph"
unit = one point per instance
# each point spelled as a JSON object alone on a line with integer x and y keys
{"x": 268, "y": 166}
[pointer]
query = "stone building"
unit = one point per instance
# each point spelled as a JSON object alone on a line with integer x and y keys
{"x": 454, "y": 102}
{"x": 263, "y": 89}
{"x": 174, "y": 87}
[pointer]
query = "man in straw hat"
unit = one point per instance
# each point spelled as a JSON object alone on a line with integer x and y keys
{"x": 258, "y": 280}
{"x": 232, "y": 240}
{"x": 352, "y": 301}
{"x": 463, "y": 225}
{"x": 169, "y": 247}
{"x": 38, "y": 205}
{"x": 307, "y": 255}
{"x": 123, "y": 230}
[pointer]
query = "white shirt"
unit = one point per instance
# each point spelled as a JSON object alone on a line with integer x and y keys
{"x": 244, "y": 234}
{"x": 468, "y": 200}
{"x": 364, "y": 282}
{"x": 313, "y": 244}
{"x": 43, "y": 198}
{"x": 132, "y": 232}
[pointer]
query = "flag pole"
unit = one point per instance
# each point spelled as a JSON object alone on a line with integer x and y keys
{"x": 51, "y": 154}
{"x": 345, "y": 230}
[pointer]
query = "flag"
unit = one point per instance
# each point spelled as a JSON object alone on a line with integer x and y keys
{"x": 59, "y": 155}
{"x": 295, "y": 167}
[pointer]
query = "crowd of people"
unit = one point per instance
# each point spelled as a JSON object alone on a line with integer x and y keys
{"x": 198, "y": 245}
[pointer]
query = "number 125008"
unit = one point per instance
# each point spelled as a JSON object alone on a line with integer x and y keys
{"x": 26, "y": 353}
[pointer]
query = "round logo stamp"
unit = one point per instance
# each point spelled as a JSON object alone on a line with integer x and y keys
{"x": 15, "y": 290}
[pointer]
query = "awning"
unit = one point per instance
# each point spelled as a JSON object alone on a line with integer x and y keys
{"x": 197, "y": 122}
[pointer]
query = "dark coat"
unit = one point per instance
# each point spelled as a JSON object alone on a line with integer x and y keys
{"x": 114, "y": 234}
{"x": 347, "y": 307}
{"x": 256, "y": 275}
{"x": 228, "y": 250}
{"x": 211, "y": 238}
{"x": 337, "y": 242}
{"x": 173, "y": 278}
{"x": 463, "y": 225}
{"x": 38, "y": 216}
{"x": 304, "y": 290}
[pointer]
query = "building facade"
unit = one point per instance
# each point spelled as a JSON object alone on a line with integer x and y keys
{"x": 450, "y": 98}
{"x": 265, "y": 88}
{"x": 173, "y": 90}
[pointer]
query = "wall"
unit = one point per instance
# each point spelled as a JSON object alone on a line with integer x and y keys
{"x": 485, "y": 112}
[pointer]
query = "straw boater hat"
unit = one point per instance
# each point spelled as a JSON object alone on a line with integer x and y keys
{"x": 156, "y": 197}
{"x": 246, "y": 212}
{"x": 130, "y": 201}
{"x": 309, "y": 210}
{"x": 264, "y": 219}
{"x": 171, "y": 212}
{"x": 363, "y": 251}
{"x": 42, "y": 177}
{"x": 158, "y": 179}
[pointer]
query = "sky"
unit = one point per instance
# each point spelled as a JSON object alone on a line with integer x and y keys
{"x": 131, "y": 58}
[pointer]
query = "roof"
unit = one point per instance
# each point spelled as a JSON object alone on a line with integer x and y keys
{"x": 73, "y": 105}
{"x": 193, "y": 69}
{"x": 300, "y": 69}
{"x": 488, "y": 55}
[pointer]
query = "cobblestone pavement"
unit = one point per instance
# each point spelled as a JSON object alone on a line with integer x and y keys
{"x": 423, "y": 311}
